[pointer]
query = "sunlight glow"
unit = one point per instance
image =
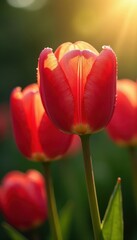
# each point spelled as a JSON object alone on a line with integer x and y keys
{"x": 128, "y": 31}
{"x": 130, "y": 2}
{"x": 20, "y": 3}
{"x": 27, "y": 4}
{"x": 115, "y": 26}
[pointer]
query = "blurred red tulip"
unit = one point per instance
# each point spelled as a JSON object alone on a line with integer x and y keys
{"x": 36, "y": 136}
{"x": 78, "y": 86}
{"x": 23, "y": 199}
{"x": 123, "y": 125}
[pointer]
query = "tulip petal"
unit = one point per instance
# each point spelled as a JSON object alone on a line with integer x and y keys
{"x": 21, "y": 192}
{"x": 81, "y": 45}
{"x": 77, "y": 65}
{"x": 123, "y": 125}
{"x": 34, "y": 111}
{"x": 37, "y": 178}
{"x": 54, "y": 142}
{"x": 55, "y": 91}
{"x": 20, "y": 124}
{"x": 100, "y": 90}
{"x": 129, "y": 89}
{"x": 37, "y": 190}
{"x": 16, "y": 197}
{"x": 62, "y": 49}
{"x": 68, "y": 46}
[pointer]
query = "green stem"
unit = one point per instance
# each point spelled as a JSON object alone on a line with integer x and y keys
{"x": 133, "y": 155}
{"x": 94, "y": 210}
{"x": 52, "y": 209}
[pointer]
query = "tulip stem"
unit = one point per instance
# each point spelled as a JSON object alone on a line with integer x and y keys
{"x": 52, "y": 209}
{"x": 133, "y": 155}
{"x": 91, "y": 189}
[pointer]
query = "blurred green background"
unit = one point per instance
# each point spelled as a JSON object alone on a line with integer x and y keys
{"x": 26, "y": 27}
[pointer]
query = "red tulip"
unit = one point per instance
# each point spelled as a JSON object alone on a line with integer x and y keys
{"x": 123, "y": 125}
{"x": 23, "y": 199}
{"x": 36, "y": 136}
{"x": 78, "y": 86}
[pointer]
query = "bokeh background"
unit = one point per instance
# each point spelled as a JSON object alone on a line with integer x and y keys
{"x": 26, "y": 27}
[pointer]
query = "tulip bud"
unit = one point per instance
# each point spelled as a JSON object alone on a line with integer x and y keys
{"x": 78, "y": 86}
{"x": 123, "y": 125}
{"x": 36, "y": 136}
{"x": 23, "y": 199}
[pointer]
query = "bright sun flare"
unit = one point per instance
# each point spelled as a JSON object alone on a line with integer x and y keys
{"x": 128, "y": 31}
{"x": 128, "y": 3}
{"x": 134, "y": 2}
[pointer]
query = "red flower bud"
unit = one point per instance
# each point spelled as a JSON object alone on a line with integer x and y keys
{"x": 123, "y": 125}
{"x": 23, "y": 199}
{"x": 78, "y": 86}
{"x": 36, "y": 136}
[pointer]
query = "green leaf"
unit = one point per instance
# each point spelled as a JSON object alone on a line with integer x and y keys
{"x": 13, "y": 233}
{"x": 66, "y": 219}
{"x": 112, "y": 224}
